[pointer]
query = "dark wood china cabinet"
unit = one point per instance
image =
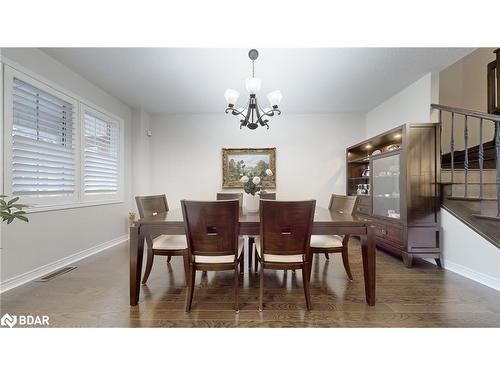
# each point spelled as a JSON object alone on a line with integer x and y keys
{"x": 396, "y": 176}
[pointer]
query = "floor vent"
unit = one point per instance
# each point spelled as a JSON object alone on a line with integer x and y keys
{"x": 54, "y": 274}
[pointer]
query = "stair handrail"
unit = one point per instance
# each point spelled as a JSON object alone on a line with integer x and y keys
{"x": 467, "y": 112}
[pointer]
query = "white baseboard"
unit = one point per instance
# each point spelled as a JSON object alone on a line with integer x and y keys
{"x": 479, "y": 277}
{"x": 51, "y": 267}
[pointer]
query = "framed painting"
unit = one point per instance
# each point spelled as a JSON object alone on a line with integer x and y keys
{"x": 239, "y": 161}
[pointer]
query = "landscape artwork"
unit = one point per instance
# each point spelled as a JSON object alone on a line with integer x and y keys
{"x": 239, "y": 161}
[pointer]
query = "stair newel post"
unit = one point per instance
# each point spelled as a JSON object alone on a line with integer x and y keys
{"x": 497, "y": 147}
{"x": 466, "y": 157}
{"x": 452, "y": 145}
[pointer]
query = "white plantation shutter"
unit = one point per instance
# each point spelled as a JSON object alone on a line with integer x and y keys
{"x": 43, "y": 140}
{"x": 100, "y": 157}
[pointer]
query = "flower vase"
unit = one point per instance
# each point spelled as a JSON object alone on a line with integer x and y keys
{"x": 252, "y": 202}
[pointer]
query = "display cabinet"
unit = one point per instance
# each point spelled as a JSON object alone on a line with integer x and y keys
{"x": 396, "y": 176}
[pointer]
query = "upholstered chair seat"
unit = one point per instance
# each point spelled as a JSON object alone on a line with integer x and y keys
{"x": 173, "y": 242}
{"x": 277, "y": 258}
{"x": 218, "y": 259}
{"x": 326, "y": 241}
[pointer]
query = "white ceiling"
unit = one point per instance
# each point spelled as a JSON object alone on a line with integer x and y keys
{"x": 173, "y": 80}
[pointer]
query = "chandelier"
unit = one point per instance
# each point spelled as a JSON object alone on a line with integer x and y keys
{"x": 253, "y": 115}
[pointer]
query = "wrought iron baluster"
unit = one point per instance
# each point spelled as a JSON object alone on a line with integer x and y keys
{"x": 481, "y": 158}
{"x": 452, "y": 145}
{"x": 497, "y": 147}
{"x": 466, "y": 157}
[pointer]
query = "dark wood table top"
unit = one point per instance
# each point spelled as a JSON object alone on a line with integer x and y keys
{"x": 321, "y": 215}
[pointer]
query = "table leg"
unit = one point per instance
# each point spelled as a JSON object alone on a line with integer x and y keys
{"x": 368, "y": 253}
{"x": 136, "y": 253}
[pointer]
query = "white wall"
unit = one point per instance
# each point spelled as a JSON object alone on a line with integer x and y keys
{"x": 464, "y": 251}
{"x": 464, "y": 85}
{"x": 310, "y": 153}
{"x": 53, "y": 235}
{"x": 141, "y": 153}
{"x": 411, "y": 104}
{"x": 469, "y": 254}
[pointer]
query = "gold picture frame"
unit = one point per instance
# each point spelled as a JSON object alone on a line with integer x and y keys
{"x": 253, "y": 159}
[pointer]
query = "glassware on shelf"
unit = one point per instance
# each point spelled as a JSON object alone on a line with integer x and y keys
{"x": 366, "y": 172}
{"x": 360, "y": 189}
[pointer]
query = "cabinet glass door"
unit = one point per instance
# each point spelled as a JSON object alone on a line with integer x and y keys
{"x": 386, "y": 186}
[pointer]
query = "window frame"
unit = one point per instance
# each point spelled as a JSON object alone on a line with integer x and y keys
{"x": 78, "y": 199}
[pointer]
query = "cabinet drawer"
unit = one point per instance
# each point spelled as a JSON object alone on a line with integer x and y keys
{"x": 389, "y": 232}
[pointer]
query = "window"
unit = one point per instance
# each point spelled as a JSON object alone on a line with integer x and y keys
{"x": 59, "y": 152}
{"x": 101, "y": 151}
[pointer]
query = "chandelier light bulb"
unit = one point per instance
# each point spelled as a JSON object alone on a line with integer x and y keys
{"x": 275, "y": 98}
{"x": 253, "y": 85}
{"x": 231, "y": 97}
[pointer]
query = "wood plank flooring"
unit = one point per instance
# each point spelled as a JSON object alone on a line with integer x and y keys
{"x": 96, "y": 295}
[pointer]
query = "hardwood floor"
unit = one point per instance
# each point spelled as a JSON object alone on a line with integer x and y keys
{"x": 96, "y": 295}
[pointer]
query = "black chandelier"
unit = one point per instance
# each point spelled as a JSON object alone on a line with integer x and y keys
{"x": 252, "y": 116}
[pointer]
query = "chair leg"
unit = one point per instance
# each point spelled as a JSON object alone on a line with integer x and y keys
{"x": 345, "y": 259}
{"x": 309, "y": 264}
{"x": 261, "y": 290}
{"x": 149, "y": 265}
{"x": 169, "y": 257}
{"x": 185, "y": 259}
{"x": 236, "y": 289}
{"x": 256, "y": 260}
{"x": 251, "y": 241}
{"x": 190, "y": 289}
{"x": 305, "y": 283}
{"x": 327, "y": 256}
{"x": 242, "y": 262}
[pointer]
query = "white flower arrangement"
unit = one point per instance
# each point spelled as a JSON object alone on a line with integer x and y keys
{"x": 252, "y": 184}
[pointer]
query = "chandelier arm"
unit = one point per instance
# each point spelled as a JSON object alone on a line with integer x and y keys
{"x": 244, "y": 122}
{"x": 270, "y": 113}
{"x": 233, "y": 111}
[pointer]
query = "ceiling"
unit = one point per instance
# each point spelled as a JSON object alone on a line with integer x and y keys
{"x": 193, "y": 80}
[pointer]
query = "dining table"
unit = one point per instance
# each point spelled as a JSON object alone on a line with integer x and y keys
{"x": 326, "y": 222}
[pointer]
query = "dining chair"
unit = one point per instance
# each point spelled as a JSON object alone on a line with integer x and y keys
{"x": 226, "y": 196}
{"x": 214, "y": 244}
{"x": 239, "y": 196}
{"x": 251, "y": 240}
{"x": 162, "y": 245}
{"x": 325, "y": 244}
{"x": 283, "y": 244}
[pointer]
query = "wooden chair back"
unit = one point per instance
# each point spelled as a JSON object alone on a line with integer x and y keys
{"x": 149, "y": 205}
{"x": 271, "y": 196}
{"x": 285, "y": 227}
{"x": 212, "y": 228}
{"x": 344, "y": 204}
{"x": 227, "y": 196}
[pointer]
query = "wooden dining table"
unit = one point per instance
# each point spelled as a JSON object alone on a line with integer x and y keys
{"x": 326, "y": 222}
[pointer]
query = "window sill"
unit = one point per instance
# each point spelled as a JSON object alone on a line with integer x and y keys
{"x": 70, "y": 206}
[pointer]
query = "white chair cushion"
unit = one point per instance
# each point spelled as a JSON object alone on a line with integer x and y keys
{"x": 220, "y": 258}
{"x": 170, "y": 242}
{"x": 323, "y": 241}
{"x": 278, "y": 258}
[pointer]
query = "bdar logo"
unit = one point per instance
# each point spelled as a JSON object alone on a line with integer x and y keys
{"x": 8, "y": 320}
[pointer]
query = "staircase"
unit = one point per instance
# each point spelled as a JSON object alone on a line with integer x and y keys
{"x": 470, "y": 177}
